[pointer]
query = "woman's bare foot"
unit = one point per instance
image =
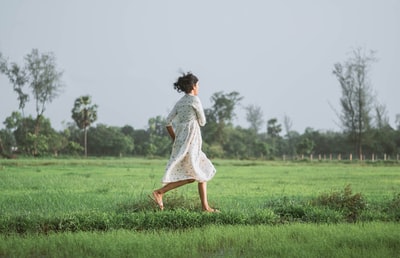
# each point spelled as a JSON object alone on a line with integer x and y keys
{"x": 158, "y": 199}
{"x": 211, "y": 210}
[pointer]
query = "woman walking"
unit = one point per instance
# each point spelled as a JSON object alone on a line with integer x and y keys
{"x": 187, "y": 162}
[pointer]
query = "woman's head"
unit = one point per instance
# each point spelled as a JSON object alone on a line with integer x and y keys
{"x": 186, "y": 83}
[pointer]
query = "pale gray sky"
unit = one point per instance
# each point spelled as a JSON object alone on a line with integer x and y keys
{"x": 278, "y": 55}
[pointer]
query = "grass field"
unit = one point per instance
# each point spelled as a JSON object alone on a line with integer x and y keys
{"x": 100, "y": 208}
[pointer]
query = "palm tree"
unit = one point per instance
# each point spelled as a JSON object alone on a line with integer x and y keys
{"x": 84, "y": 114}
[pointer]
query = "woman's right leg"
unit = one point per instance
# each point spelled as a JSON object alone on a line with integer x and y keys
{"x": 158, "y": 194}
{"x": 203, "y": 197}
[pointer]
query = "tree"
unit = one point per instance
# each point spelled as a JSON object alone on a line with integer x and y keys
{"x": 109, "y": 141}
{"x": 20, "y": 127}
{"x": 141, "y": 137}
{"x": 381, "y": 117}
{"x": 244, "y": 143}
{"x": 273, "y": 130}
{"x": 44, "y": 80}
{"x": 18, "y": 78}
{"x": 306, "y": 143}
{"x": 84, "y": 114}
{"x": 159, "y": 142}
{"x": 41, "y": 75}
{"x": 305, "y": 146}
{"x": 290, "y": 135}
{"x": 254, "y": 117}
{"x": 224, "y": 106}
{"x": 383, "y": 141}
{"x": 357, "y": 99}
{"x": 129, "y": 131}
{"x": 222, "y": 113}
{"x": 73, "y": 133}
{"x": 24, "y": 139}
{"x": 7, "y": 142}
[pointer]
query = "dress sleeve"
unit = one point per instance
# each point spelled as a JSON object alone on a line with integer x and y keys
{"x": 198, "y": 107}
{"x": 171, "y": 116}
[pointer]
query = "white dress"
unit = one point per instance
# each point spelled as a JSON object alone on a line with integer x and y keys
{"x": 187, "y": 161}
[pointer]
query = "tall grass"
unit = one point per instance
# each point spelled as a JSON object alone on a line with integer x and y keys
{"x": 375, "y": 239}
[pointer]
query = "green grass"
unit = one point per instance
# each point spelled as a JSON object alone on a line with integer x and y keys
{"x": 100, "y": 207}
{"x": 295, "y": 240}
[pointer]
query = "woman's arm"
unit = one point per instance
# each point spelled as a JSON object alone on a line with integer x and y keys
{"x": 171, "y": 132}
{"x": 198, "y": 107}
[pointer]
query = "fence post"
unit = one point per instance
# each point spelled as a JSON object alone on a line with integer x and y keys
{"x": 351, "y": 157}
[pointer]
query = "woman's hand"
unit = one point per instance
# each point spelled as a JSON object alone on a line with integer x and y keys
{"x": 171, "y": 132}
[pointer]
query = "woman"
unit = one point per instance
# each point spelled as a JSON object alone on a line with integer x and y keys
{"x": 187, "y": 163}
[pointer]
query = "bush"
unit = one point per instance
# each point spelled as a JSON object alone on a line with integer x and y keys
{"x": 350, "y": 204}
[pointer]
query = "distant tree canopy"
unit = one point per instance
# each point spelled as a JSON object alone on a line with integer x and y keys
{"x": 366, "y": 128}
{"x": 109, "y": 141}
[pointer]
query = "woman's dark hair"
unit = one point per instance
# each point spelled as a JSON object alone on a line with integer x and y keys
{"x": 186, "y": 82}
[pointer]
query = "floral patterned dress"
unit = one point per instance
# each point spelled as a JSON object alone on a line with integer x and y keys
{"x": 187, "y": 161}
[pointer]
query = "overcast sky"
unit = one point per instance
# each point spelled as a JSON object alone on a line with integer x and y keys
{"x": 278, "y": 55}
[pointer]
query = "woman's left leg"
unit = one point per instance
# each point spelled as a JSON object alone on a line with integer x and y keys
{"x": 159, "y": 193}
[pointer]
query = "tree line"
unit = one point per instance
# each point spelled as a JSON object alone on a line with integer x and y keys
{"x": 365, "y": 127}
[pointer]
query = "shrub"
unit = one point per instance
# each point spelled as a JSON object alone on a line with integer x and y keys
{"x": 350, "y": 204}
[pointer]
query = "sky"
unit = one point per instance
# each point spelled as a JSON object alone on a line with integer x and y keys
{"x": 278, "y": 54}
